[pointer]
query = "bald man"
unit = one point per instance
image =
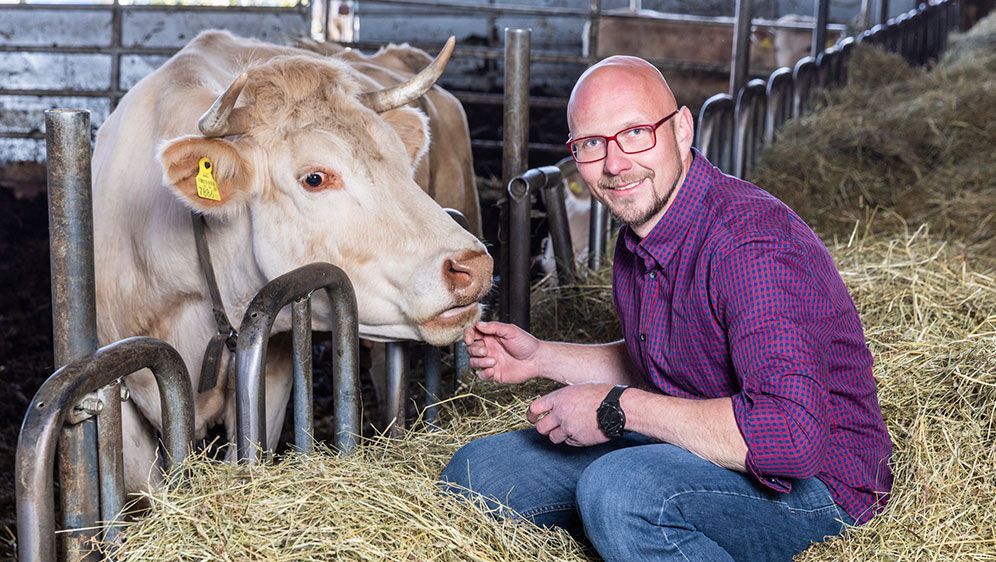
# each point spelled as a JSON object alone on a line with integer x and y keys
{"x": 738, "y": 418}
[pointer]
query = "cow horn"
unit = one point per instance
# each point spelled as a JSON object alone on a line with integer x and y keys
{"x": 414, "y": 87}
{"x": 218, "y": 120}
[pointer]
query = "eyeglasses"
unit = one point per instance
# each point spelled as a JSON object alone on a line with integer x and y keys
{"x": 632, "y": 140}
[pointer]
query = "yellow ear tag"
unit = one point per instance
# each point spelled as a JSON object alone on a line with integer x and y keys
{"x": 207, "y": 188}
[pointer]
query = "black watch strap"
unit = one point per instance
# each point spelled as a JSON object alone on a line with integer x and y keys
{"x": 614, "y": 394}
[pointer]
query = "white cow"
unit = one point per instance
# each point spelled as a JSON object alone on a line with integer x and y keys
{"x": 308, "y": 168}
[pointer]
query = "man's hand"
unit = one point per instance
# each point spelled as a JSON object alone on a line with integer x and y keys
{"x": 568, "y": 414}
{"x": 501, "y": 352}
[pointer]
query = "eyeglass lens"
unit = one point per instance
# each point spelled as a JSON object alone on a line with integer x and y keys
{"x": 635, "y": 139}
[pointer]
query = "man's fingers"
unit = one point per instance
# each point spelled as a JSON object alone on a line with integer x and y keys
{"x": 558, "y": 435}
{"x": 538, "y": 408}
{"x": 547, "y": 424}
{"x": 482, "y": 362}
{"x": 498, "y": 329}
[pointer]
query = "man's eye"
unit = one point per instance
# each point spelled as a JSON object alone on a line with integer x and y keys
{"x": 591, "y": 143}
{"x": 638, "y": 131}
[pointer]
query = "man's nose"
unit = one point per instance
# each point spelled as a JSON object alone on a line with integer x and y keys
{"x": 616, "y": 161}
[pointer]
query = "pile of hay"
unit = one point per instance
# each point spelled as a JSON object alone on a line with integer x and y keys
{"x": 919, "y": 144}
{"x": 930, "y": 320}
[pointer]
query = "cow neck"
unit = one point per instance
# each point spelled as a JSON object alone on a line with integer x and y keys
{"x": 226, "y": 336}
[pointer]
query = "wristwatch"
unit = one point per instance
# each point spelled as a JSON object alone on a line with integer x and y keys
{"x": 611, "y": 418}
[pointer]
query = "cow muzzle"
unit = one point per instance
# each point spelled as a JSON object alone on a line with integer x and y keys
{"x": 467, "y": 276}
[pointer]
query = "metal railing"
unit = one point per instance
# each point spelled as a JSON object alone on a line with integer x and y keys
{"x": 51, "y": 409}
{"x": 250, "y": 359}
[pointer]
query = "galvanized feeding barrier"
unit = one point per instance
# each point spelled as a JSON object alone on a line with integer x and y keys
{"x": 83, "y": 398}
{"x": 732, "y": 129}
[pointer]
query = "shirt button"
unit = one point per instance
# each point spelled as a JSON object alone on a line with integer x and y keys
{"x": 652, "y": 274}
{"x": 643, "y": 337}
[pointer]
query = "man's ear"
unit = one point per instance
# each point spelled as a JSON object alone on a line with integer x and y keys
{"x": 413, "y": 127}
{"x": 231, "y": 172}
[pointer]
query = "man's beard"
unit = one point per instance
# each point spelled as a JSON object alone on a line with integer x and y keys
{"x": 633, "y": 217}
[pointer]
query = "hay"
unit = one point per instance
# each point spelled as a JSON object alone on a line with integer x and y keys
{"x": 380, "y": 504}
{"x": 919, "y": 145}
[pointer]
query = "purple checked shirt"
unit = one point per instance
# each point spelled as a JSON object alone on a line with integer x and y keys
{"x": 732, "y": 294}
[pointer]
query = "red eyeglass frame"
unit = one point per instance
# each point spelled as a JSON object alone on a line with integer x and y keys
{"x": 653, "y": 129}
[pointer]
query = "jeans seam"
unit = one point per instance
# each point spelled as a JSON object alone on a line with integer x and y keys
{"x": 547, "y": 509}
{"x": 750, "y": 497}
{"x": 663, "y": 528}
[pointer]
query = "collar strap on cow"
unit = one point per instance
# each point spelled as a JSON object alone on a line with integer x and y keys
{"x": 226, "y": 336}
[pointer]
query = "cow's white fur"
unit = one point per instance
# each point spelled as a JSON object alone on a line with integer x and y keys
{"x": 380, "y": 227}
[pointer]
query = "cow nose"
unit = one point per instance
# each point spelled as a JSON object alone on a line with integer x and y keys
{"x": 466, "y": 275}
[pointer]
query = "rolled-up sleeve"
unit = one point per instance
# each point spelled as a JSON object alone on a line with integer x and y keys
{"x": 777, "y": 320}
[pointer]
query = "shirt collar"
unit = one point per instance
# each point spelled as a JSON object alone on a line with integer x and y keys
{"x": 662, "y": 242}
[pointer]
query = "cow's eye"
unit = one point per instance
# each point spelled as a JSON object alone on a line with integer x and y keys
{"x": 320, "y": 179}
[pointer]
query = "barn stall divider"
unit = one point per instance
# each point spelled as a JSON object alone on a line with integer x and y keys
{"x": 732, "y": 130}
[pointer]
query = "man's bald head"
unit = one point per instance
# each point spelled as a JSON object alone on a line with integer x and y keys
{"x": 619, "y": 77}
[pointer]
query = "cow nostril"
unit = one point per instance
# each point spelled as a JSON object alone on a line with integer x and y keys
{"x": 458, "y": 274}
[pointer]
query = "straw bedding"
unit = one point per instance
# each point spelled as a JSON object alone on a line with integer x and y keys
{"x": 928, "y": 303}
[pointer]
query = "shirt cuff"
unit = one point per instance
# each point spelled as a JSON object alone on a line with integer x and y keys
{"x": 776, "y": 483}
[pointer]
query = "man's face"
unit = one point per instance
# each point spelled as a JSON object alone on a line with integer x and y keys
{"x": 636, "y": 188}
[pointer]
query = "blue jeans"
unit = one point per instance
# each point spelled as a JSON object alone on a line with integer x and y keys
{"x": 637, "y": 499}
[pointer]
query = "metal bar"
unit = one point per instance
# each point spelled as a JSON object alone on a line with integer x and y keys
{"x": 779, "y": 94}
{"x": 110, "y": 459}
{"x": 250, "y": 356}
{"x": 116, "y": 57}
{"x": 520, "y": 196}
{"x": 50, "y": 408}
{"x": 515, "y": 156}
{"x": 883, "y": 11}
{"x": 74, "y": 313}
{"x": 596, "y": 234}
{"x": 395, "y": 362}
{"x": 805, "y": 78}
{"x": 148, "y": 8}
{"x": 433, "y": 383}
{"x": 711, "y": 138}
{"x": 741, "y": 46}
{"x": 750, "y": 126}
{"x": 595, "y": 10}
{"x": 560, "y": 228}
{"x": 89, "y": 50}
{"x": 820, "y": 31}
{"x": 304, "y": 425}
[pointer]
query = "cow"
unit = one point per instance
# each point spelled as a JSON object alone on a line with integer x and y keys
{"x": 311, "y": 162}
{"x": 447, "y": 171}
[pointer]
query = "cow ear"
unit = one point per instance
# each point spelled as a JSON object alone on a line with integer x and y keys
{"x": 216, "y": 164}
{"x": 413, "y": 127}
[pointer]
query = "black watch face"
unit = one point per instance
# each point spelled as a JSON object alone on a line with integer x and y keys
{"x": 610, "y": 420}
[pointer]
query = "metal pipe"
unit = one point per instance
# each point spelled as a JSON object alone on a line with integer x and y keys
{"x": 250, "y": 356}
{"x": 596, "y": 234}
{"x": 560, "y": 228}
{"x": 304, "y": 419}
{"x": 751, "y": 104}
{"x": 820, "y": 29}
{"x": 515, "y": 157}
{"x": 74, "y": 312}
{"x": 779, "y": 94}
{"x": 395, "y": 361}
{"x": 520, "y": 196}
{"x": 110, "y": 460}
{"x": 715, "y": 131}
{"x": 595, "y": 13}
{"x": 804, "y": 76}
{"x": 51, "y": 407}
{"x": 431, "y": 359}
{"x": 883, "y": 11}
{"x": 741, "y": 46}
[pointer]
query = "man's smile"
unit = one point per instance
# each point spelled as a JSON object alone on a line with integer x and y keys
{"x": 624, "y": 187}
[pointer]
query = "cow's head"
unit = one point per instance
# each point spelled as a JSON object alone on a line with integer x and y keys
{"x": 321, "y": 172}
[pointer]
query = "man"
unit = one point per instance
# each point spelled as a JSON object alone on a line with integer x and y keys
{"x": 738, "y": 419}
